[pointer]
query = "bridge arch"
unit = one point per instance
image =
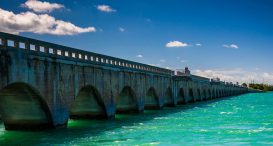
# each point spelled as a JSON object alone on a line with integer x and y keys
{"x": 181, "y": 96}
{"x": 218, "y": 93}
{"x": 209, "y": 94}
{"x": 199, "y": 95}
{"x": 191, "y": 97}
{"x": 88, "y": 104}
{"x": 213, "y": 94}
{"x": 168, "y": 97}
{"x": 204, "y": 95}
{"x": 22, "y": 107}
{"x": 152, "y": 99}
{"x": 126, "y": 101}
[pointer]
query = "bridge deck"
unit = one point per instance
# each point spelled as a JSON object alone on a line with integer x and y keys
{"x": 63, "y": 52}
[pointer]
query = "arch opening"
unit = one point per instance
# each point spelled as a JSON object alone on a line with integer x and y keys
{"x": 204, "y": 95}
{"x": 88, "y": 104}
{"x": 213, "y": 94}
{"x": 23, "y": 108}
{"x": 151, "y": 99}
{"x": 126, "y": 101}
{"x": 191, "y": 97}
{"x": 181, "y": 97}
{"x": 198, "y": 95}
{"x": 209, "y": 92}
{"x": 168, "y": 97}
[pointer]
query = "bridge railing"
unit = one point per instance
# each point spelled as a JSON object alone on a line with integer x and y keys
{"x": 200, "y": 79}
{"x": 50, "y": 49}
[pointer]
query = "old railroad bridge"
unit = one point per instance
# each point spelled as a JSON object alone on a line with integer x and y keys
{"x": 42, "y": 85}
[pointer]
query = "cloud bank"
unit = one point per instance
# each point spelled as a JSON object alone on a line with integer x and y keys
{"x": 237, "y": 75}
{"x": 38, "y": 23}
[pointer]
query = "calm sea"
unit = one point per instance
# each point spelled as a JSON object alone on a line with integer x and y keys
{"x": 238, "y": 120}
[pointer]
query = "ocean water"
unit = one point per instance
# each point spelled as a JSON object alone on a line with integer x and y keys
{"x": 239, "y": 120}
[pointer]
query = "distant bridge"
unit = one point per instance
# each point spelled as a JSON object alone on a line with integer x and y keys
{"x": 43, "y": 84}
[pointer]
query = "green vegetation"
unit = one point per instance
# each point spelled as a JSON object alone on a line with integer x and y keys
{"x": 244, "y": 84}
{"x": 263, "y": 87}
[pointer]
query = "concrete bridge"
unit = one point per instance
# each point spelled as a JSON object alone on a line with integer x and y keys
{"x": 43, "y": 84}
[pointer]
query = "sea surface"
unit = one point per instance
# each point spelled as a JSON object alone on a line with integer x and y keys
{"x": 238, "y": 120}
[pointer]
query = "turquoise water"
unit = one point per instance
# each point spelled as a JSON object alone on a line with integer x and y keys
{"x": 239, "y": 120}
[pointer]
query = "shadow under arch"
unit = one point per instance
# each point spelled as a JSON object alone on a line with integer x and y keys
{"x": 209, "y": 94}
{"x": 198, "y": 95}
{"x": 204, "y": 94}
{"x": 217, "y": 93}
{"x": 126, "y": 101}
{"x": 191, "y": 97}
{"x": 213, "y": 95}
{"x": 181, "y": 96}
{"x": 23, "y": 108}
{"x": 168, "y": 97}
{"x": 151, "y": 99}
{"x": 88, "y": 104}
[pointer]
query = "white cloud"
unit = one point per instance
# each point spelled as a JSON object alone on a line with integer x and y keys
{"x": 38, "y": 23}
{"x": 267, "y": 77}
{"x": 139, "y": 56}
{"x": 198, "y": 44}
{"x": 172, "y": 44}
{"x": 237, "y": 75}
{"x": 41, "y": 7}
{"x": 105, "y": 8}
{"x": 154, "y": 64}
{"x": 162, "y": 60}
{"x": 181, "y": 60}
{"x": 148, "y": 20}
{"x": 121, "y": 29}
{"x": 232, "y": 46}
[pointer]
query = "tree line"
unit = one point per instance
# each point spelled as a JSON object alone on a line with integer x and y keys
{"x": 263, "y": 87}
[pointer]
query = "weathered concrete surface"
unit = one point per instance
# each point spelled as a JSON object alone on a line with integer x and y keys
{"x": 44, "y": 89}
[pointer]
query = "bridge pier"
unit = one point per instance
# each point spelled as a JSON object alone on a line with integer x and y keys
{"x": 152, "y": 101}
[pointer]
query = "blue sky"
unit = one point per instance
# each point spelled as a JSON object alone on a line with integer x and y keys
{"x": 230, "y": 39}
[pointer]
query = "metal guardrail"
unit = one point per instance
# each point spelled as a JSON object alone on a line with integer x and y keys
{"x": 28, "y": 44}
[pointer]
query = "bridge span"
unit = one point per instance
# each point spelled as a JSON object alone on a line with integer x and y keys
{"x": 43, "y": 84}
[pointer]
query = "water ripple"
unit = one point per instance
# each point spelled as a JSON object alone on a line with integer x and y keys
{"x": 241, "y": 120}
